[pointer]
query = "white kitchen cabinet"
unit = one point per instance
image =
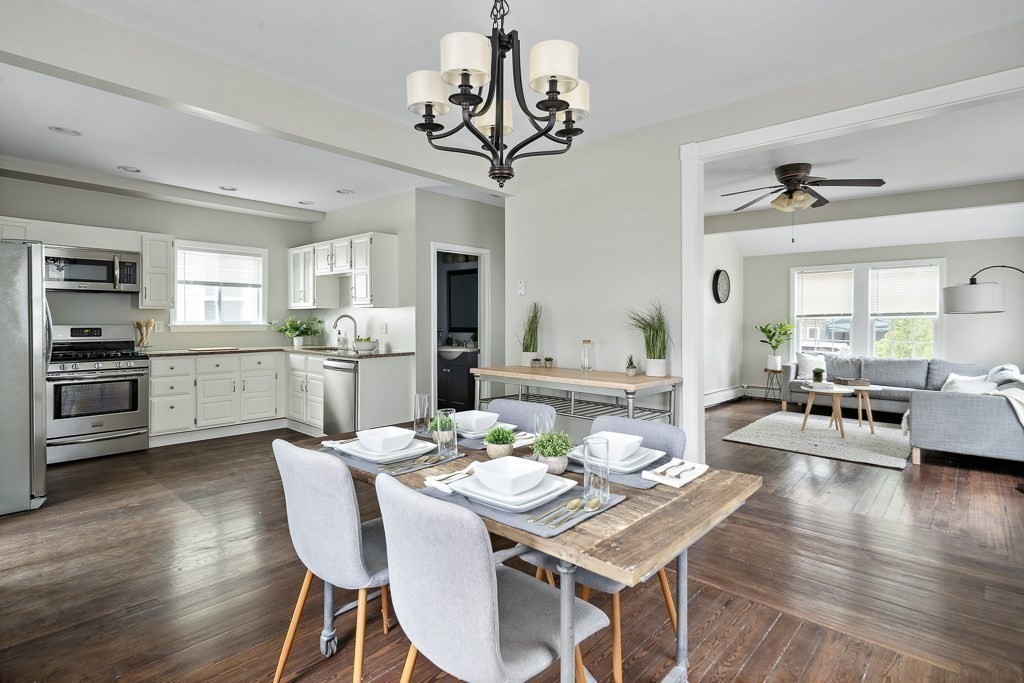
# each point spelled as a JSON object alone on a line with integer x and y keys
{"x": 306, "y": 389}
{"x": 322, "y": 258}
{"x": 168, "y": 414}
{"x": 374, "y": 271}
{"x": 341, "y": 256}
{"x": 361, "y": 247}
{"x": 259, "y": 396}
{"x": 157, "y": 272}
{"x": 216, "y": 400}
{"x": 305, "y": 289}
{"x": 315, "y": 272}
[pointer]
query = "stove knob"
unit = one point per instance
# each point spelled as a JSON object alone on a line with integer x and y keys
{"x": 97, "y": 365}
{"x": 63, "y": 366}
{"x": 75, "y": 366}
{"x": 130, "y": 364}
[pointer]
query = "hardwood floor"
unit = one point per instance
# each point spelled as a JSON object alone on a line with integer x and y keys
{"x": 175, "y": 564}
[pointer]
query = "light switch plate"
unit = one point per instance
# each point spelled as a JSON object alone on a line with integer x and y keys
{"x": 158, "y": 326}
{"x": 521, "y": 288}
{"x": 383, "y": 328}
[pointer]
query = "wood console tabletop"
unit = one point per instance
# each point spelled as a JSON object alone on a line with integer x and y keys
{"x": 595, "y": 378}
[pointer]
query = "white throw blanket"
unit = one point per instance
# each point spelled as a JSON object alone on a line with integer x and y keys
{"x": 1015, "y": 395}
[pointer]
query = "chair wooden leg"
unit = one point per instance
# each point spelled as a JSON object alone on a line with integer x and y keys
{"x": 616, "y": 639}
{"x": 539, "y": 574}
{"x": 303, "y": 592}
{"x": 669, "y": 602}
{"x": 385, "y": 610}
{"x": 551, "y": 577}
{"x": 580, "y": 676}
{"x": 410, "y": 664}
{"x": 357, "y": 664}
{"x": 586, "y": 594}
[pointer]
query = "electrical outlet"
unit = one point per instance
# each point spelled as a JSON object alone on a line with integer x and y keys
{"x": 158, "y": 326}
{"x": 383, "y": 328}
{"x": 521, "y": 288}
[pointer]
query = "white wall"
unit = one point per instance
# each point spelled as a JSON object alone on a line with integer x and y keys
{"x": 723, "y": 323}
{"x": 40, "y": 201}
{"x": 987, "y": 338}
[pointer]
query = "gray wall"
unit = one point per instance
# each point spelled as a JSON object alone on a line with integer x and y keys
{"x": 723, "y": 323}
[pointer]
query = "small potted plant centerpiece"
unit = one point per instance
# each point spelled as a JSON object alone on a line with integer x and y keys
{"x": 818, "y": 374}
{"x": 552, "y": 449}
{"x": 549, "y": 362}
{"x": 652, "y": 324}
{"x": 298, "y": 330}
{"x": 630, "y": 366}
{"x": 531, "y": 326}
{"x": 536, "y": 363}
{"x": 499, "y": 442}
{"x": 775, "y": 335}
{"x": 441, "y": 426}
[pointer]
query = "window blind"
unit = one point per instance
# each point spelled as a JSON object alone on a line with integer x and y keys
{"x": 198, "y": 266}
{"x": 824, "y": 294}
{"x": 905, "y": 291}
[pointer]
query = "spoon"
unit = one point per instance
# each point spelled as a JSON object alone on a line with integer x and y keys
{"x": 570, "y": 506}
{"x": 592, "y": 504}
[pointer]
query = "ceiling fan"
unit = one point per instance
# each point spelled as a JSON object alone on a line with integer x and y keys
{"x": 797, "y": 185}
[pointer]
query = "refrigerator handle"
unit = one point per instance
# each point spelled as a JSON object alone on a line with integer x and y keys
{"x": 49, "y": 331}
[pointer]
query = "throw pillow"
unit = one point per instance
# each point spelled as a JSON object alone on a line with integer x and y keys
{"x": 1001, "y": 374}
{"x": 968, "y": 385}
{"x": 805, "y": 364}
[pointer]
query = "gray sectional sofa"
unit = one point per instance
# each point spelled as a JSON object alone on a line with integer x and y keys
{"x": 968, "y": 424}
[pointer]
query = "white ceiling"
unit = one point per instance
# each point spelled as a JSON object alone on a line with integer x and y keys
{"x": 966, "y": 147}
{"x": 955, "y": 225}
{"x": 646, "y": 62}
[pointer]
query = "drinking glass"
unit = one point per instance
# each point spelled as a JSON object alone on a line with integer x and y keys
{"x": 447, "y": 440}
{"x": 543, "y": 423}
{"x": 421, "y": 413}
{"x": 596, "y": 483}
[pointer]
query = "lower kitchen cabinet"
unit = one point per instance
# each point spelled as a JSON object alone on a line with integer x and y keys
{"x": 168, "y": 414}
{"x": 216, "y": 400}
{"x": 258, "y": 399}
{"x": 306, "y": 389}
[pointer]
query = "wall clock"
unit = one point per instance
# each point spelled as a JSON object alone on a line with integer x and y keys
{"x": 720, "y": 286}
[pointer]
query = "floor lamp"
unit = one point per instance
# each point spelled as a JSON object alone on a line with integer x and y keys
{"x": 977, "y": 297}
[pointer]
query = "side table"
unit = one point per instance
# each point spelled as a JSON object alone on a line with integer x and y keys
{"x": 773, "y": 387}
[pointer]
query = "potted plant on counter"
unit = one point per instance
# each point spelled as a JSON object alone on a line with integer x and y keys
{"x": 549, "y": 362}
{"x": 536, "y": 363}
{"x": 552, "y": 449}
{"x": 652, "y": 324}
{"x": 499, "y": 442}
{"x": 630, "y": 366}
{"x": 298, "y": 330}
{"x": 531, "y": 327}
{"x": 775, "y": 335}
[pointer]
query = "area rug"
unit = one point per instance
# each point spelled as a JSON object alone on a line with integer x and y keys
{"x": 887, "y": 447}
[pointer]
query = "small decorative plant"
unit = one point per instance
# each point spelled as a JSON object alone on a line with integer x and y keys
{"x": 441, "y": 423}
{"x": 536, "y": 362}
{"x": 630, "y": 365}
{"x": 293, "y": 327}
{"x": 549, "y": 362}
{"x": 818, "y": 374}
{"x": 552, "y": 448}
{"x": 775, "y": 334}
{"x": 473, "y": 339}
{"x": 364, "y": 339}
{"x": 500, "y": 436}
{"x": 531, "y": 326}
{"x": 651, "y": 322}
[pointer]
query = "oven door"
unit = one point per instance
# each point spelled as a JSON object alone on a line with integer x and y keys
{"x": 82, "y": 404}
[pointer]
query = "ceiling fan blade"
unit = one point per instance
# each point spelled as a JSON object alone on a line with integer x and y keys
{"x": 766, "y": 194}
{"x": 821, "y": 201}
{"x": 755, "y": 189}
{"x": 848, "y": 182}
{"x": 811, "y": 178}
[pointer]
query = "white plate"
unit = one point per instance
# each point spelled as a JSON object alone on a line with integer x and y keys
{"x": 467, "y": 434}
{"x": 548, "y": 489}
{"x": 639, "y": 460}
{"x": 357, "y": 450}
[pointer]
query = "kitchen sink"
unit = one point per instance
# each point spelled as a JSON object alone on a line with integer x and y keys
{"x": 453, "y": 352}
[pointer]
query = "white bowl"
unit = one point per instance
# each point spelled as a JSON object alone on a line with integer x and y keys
{"x": 620, "y": 446}
{"x": 385, "y": 439}
{"x": 475, "y": 420}
{"x": 363, "y": 347}
{"x": 510, "y": 475}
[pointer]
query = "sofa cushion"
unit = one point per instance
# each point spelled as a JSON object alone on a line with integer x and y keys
{"x": 938, "y": 371}
{"x": 896, "y": 372}
{"x": 807, "y": 362}
{"x": 963, "y": 384}
{"x": 891, "y": 394}
{"x": 842, "y": 366}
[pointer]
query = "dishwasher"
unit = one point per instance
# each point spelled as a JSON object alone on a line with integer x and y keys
{"x": 341, "y": 394}
{"x": 363, "y": 393}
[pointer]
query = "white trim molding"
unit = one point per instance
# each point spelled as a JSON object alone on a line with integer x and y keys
{"x": 718, "y": 396}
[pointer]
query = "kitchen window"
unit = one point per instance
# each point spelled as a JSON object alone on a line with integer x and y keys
{"x": 885, "y": 309}
{"x": 219, "y": 285}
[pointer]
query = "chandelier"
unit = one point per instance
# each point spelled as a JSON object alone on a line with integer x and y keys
{"x": 470, "y": 61}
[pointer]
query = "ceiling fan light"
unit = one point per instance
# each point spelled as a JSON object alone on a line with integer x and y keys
{"x": 802, "y": 200}
{"x": 579, "y": 102}
{"x": 783, "y": 202}
{"x": 423, "y": 88}
{"x": 465, "y": 52}
{"x": 554, "y": 59}
{"x": 485, "y": 122}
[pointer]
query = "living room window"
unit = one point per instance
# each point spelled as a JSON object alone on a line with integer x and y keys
{"x": 219, "y": 285}
{"x": 884, "y": 309}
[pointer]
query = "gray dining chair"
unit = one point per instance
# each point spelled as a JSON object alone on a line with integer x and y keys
{"x": 519, "y": 413}
{"x": 473, "y": 618}
{"x": 330, "y": 539}
{"x": 656, "y": 435}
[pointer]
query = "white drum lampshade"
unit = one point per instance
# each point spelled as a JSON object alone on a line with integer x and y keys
{"x": 465, "y": 52}
{"x": 485, "y": 122}
{"x": 558, "y": 59}
{"x": 579, "y": 102}
{"x": 983, "y": 297}
{"x": 423, "y": 88}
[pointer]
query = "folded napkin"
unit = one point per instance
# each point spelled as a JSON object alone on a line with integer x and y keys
{"x": 435, "y": 480}
{"x": 657, "y": 474}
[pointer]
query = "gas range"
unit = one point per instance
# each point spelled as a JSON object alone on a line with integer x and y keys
{"x": 94, "y": 348}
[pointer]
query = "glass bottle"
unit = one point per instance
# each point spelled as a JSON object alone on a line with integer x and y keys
{"x": 585, "y": 364}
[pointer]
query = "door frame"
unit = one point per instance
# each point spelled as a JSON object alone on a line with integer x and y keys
{"x": 693, "y": 156}
{"x": 484, "y": 317}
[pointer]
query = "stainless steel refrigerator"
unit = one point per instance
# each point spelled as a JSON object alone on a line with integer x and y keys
{"x": 23, "y": 356}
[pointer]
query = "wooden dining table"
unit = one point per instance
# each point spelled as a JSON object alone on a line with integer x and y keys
{"x": 628, "y": 543}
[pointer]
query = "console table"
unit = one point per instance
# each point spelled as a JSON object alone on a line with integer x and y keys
{"x": 618, "y": 385}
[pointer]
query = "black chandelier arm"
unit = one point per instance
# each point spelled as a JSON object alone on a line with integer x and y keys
{"x": 548, "y": 135}
{"x": 541, "y": 132}
{"x": 488, "y": 145}
{"x": 975, "y": 276}
{"x": 460, "y": 150}
{"x": 547, "y": 152}
{"x": 453, "y": 131}
{"x": 482, "y": 109}
{"x": 517, "y": 76}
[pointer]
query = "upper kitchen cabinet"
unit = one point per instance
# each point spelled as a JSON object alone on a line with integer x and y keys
{"x": 334, "y": 257}
{"x": 305, "y": 289}
{"x": 157, "y": 272}
{"x": 374, "y": 271}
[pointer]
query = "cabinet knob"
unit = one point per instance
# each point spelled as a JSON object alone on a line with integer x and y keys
{"x": 172, "y": 367}
{"x": 172, "y": 407}
{"x": 259, "y": 362}
{"x": 172, "y": 389}
{"x": 216, "y": 365}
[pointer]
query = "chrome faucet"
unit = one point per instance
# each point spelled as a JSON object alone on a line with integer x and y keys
{"x": 355, "y": 325}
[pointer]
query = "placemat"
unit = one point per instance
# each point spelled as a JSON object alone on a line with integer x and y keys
{"x": 374, "y": 469}
{"x": 518, "y": 519}
{"x": 633, "y": 480}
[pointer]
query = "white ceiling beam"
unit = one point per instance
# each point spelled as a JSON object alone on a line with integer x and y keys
{"x": 58, "y": 40}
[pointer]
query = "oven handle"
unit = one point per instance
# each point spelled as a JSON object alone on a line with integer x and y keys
{"x": 72, "y": 379}
{"x": 117, "y": 272}
{"x": 92, "y": 439}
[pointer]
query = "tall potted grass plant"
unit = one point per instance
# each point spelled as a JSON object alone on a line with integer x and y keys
{"x": 529, "y": 340}
{"x": 651, "y": 322}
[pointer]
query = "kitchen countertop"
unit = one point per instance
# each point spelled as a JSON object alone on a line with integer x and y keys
{"x": 325, "y": 351}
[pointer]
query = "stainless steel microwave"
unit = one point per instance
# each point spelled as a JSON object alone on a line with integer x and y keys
{"x": 91, "y": 270}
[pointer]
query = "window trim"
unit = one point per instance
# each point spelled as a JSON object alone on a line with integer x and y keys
{"x": 261, "y": 326}
{"x": 861, "y": 323}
